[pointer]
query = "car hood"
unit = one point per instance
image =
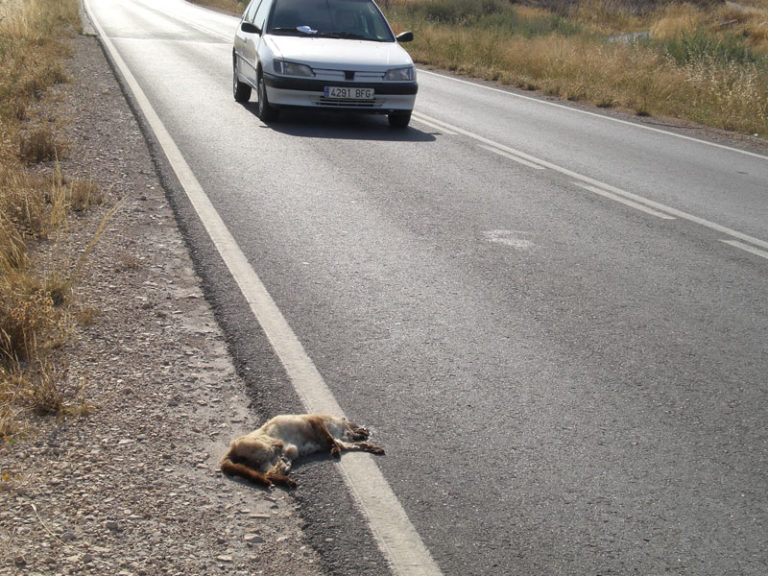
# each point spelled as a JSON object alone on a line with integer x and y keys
{"x": 336, "y": 53}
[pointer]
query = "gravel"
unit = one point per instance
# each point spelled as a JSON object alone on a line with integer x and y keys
{"x": 133, "y": 487}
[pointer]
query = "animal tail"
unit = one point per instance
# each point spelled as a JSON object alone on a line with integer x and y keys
{"x": 236, "y": 469}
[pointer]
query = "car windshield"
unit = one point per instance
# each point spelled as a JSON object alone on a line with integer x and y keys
{"x": 352, "y": 19}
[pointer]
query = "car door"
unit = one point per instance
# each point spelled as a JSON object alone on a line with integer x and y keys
{"x": 243, "y": 39}
{"x": 253, "y": 38}
{"x": 247, "y": 39}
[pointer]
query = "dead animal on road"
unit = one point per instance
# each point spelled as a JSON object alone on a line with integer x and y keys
{"x": 265, "y": 455}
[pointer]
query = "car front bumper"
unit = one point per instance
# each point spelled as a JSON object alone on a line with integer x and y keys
{"x": 310, "y": 93}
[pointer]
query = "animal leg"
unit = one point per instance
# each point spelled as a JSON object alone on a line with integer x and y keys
{"x": 279, "y": 473}
{"x": 361, "y": 447}
{"x": 325, "y": 438}
{"x": 281, "y": 479}
{"x": 357, "y": 433}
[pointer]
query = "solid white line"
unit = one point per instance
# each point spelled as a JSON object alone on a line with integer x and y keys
{"x": 747, "y": 248}
{"x": 396, "y": 536}
{"x": 433, "y": 125}
{"x": 512, "y": 157}
{"x": 608, "y": 188}
{"x": 594, "y": 114}
{"x": 629, "y": 203}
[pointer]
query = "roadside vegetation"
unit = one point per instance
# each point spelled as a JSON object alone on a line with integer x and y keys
{"x": 38, "y": 204}
{"x": 703, "y": 61}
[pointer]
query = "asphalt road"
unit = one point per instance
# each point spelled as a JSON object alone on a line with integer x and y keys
{"x": 554, "y": 321}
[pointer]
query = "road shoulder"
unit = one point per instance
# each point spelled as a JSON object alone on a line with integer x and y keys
{"x": 134, "y": 487}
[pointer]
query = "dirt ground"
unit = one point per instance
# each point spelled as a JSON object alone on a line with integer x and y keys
{"x": 133, "y": 488}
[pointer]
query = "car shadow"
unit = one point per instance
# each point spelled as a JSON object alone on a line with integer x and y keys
{"x": 340, "y": 126}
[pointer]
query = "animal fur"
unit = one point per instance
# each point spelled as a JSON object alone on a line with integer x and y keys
{"x": 264, "y": 456}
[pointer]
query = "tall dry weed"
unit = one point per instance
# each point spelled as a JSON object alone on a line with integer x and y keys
{"x": 29, "y": 321}
{"x": 732, "y": 97}
{"x": 35, "y": 204}
{"x": 13, "y": 250}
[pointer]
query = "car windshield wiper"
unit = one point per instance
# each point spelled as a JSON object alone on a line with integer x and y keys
{"x": 297, "y": 30}
{"x": 346, "y": 36}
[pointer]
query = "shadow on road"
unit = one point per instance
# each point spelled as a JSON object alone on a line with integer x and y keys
{"x": 340, "y": 126}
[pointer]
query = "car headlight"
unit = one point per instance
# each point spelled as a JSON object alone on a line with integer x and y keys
{"x": 292, "y": 69}
{"x": 400, "y": 74}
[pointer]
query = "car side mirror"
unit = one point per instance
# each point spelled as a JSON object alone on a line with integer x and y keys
{"x": 405, "y": 37}
{"x": 249, "y": 28}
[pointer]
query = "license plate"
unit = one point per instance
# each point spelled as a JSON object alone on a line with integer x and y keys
{"x": 348, "y": 93}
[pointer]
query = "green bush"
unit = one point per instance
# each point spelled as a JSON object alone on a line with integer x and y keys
{"x": 703, "y": 47}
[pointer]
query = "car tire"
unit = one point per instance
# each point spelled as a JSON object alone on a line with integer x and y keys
{"x": 266, "y": 112}
{"x": 399, "y": 119}
{"x": 240, "y": 90}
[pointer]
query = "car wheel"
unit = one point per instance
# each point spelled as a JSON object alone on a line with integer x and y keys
{"x": 266, "y": 111}
{"x": 399, "y": 119}
{"x": 241, "y": 91}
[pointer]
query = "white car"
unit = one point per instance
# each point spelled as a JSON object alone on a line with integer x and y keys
{"x": 327, "y": 54}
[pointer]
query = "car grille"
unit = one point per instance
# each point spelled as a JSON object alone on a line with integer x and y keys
{"x": 348, "y": 76}
{"x": 327, "y": 102}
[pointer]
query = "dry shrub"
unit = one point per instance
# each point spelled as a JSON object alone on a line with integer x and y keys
{"x": 41, "y": 388}
{"x": 677, "y": 20}
{"x": 611, "y": 16}
{"x": 87, "y": 316}
{"x": 31, "y": 329}
{"x": 30, "y": 323}
{"x": 528, "y": 12}
{"x": 40, "y": 145}
{"x": 42, "y": 392}
{"x": 84, "y": 195}
{"x": 11, "y": 410}
{"x": 13, "y": 250}
{"x": 747, "y": 21}
{"x": 37, "y": 205}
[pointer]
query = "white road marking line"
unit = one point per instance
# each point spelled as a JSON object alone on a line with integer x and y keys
{"x": 630, "y": 203}
{"x": 649, "y": 204}
{"x": 747, "y": 248}
{"x": 593, "y": 114}
{"x": 432, "y": 124}
{"x": 512, "y": 157}
{"x": 396, "y": 536}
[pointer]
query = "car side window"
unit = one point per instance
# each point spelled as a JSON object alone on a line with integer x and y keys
{"x": 262, "y": 13}
{"x": 251, "y": 11}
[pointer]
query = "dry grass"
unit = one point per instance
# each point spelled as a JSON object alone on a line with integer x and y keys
{"x": 37, "y": 204}
{"x": 702, "y": 62}
{"x": 232, "y": 6}
{"x": 609, "y": 17}
{"x": 677, "y": 20}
